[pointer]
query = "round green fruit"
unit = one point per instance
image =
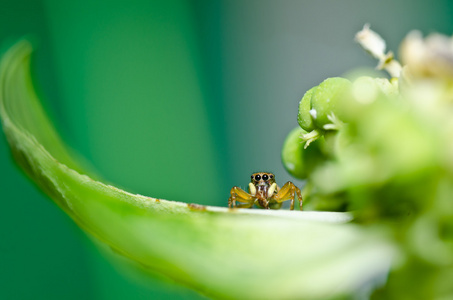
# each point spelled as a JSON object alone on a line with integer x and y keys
{"x": 326, "y": 100}
{"x": 304, "y": 118}
{"x": 300, "y": 162}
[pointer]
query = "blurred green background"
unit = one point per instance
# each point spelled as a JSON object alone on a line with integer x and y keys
{"x": 176, "y": 99}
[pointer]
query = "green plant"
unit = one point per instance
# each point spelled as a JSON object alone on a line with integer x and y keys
{"x": 388, "y": 159}
{"x": 219, "y": 252}
{"x": 380, "y": 149}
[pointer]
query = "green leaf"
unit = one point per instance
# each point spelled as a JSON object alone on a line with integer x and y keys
{"x": 220, "y": 252}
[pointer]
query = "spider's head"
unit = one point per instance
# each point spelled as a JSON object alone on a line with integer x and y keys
{"x": 262, "y": 178}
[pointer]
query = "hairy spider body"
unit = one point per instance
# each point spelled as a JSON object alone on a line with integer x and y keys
{"x": 264, "y": 193}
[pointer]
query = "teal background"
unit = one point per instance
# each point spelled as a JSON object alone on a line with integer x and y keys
{"x": 173, "y": 99}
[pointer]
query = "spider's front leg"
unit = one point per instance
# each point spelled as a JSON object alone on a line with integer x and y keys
{"x": 288, "y": 192}
{"x": 238, "y": 194}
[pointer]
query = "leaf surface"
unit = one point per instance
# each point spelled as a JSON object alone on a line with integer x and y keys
{"x": 223, "y": 253}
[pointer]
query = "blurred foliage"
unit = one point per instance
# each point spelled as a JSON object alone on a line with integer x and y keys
{"x": 390, "y": 161}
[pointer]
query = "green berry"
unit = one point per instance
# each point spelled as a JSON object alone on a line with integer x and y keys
{"x": 304, "y": 118}
{"x": 300, "y": 162}
{"x": 326, "y": 99}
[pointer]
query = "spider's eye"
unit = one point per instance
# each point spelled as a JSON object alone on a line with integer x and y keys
{"x": 271, "y": 176}
{"x": 265, "y": 177}
{"x": 257, "y": 177}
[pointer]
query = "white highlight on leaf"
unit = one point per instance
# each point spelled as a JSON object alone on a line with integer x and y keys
{"x": 313, "y": 113}
{"x": 290, "y": 165}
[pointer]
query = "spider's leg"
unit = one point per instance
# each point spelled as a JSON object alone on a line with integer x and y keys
{"x": 238, "y": 194}
{"x": 287, "y": 192}
{"x": 245, "y": 205}
{"x": 299, "y": 196}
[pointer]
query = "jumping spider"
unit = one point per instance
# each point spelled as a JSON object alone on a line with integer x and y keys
{"x": 265, "y": 193}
